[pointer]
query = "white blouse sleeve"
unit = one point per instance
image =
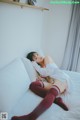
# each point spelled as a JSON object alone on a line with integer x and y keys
{"x": 43, "y": 71}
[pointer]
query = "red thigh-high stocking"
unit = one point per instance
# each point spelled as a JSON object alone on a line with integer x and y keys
{"x": 61, "y": 103}
{"x": 43, "y": 106}
{"x": 38, "y": 89}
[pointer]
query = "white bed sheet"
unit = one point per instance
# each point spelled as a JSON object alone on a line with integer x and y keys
{"x": 30, "y": 101}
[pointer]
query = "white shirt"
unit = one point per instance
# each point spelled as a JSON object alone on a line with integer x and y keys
{"x": 53, "y": 71}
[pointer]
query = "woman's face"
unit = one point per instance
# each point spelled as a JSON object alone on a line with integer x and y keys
{"x": 37, "y": 58}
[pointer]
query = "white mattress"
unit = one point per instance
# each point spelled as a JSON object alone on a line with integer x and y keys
{"x": 30, "y": 101}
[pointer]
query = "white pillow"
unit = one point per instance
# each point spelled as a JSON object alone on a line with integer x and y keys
{"x": 14, "y": 82}
{"x": 30, "y": 69}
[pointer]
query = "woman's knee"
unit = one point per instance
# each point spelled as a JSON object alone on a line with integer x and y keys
{"x": 33, "y": 85}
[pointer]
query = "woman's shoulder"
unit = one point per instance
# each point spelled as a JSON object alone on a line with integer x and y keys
{"x": 48, "y": 59}
{"x": 49, "y": 62}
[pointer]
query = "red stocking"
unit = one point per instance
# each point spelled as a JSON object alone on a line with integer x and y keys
{"x": 43, "y": 106}
{"x": 38, "y": 89}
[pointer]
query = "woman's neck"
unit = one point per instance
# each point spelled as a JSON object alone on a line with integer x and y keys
{"x": 42, "y": 64}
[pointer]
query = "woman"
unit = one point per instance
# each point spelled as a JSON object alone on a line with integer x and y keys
{"x": 49, "y": 89}
{"x": 49, "y": 70}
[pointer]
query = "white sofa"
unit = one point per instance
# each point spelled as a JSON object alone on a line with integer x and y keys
{"x": 17, "y": 99}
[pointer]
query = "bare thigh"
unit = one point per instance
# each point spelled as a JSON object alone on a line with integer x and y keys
{"x": 61, "y": 85}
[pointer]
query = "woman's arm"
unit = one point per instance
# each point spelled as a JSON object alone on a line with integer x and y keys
{"x": 43, "y": 71}
{"x": 48, "y": 70}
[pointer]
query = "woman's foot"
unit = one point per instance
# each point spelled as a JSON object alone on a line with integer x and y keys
{"x": 14, "y": 118}
{"x": 60, "y": 102}
{"x": 24, "y": 117}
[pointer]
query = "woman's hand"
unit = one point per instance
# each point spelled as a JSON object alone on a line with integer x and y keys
{"x": 49, "y": 79}
{"x": 41, "y": 78}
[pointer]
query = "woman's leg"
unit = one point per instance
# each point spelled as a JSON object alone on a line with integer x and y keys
{"x": 42, "y": 107}
{"x": 38, "y": 89}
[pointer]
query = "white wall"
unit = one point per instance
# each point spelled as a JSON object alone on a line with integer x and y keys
{"x": 20, "y": 30}
{"x": 55, "y": 30}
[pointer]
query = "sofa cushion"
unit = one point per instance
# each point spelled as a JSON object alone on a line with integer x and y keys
{"x": 30, "y": 69}
{"x": 14, "y": 82}
{"x": 28, "y": 65}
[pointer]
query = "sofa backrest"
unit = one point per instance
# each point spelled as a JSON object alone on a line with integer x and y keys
{"x": 30, "y": 69}
{"x": 14, "y": 83}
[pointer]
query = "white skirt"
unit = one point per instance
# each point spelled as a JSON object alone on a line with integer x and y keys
{"x": 58, "y": 74}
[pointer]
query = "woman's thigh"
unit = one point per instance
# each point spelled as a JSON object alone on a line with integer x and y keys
{"x": 38, "y": 89}
{"x": 61, "y": 85}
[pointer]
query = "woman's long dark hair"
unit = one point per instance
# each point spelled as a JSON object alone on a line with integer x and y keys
{"x": 30, "y": 55}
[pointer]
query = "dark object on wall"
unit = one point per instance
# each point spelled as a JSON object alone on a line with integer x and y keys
{"x": 31, "y": 2}
{"x": 16, "y": 0}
